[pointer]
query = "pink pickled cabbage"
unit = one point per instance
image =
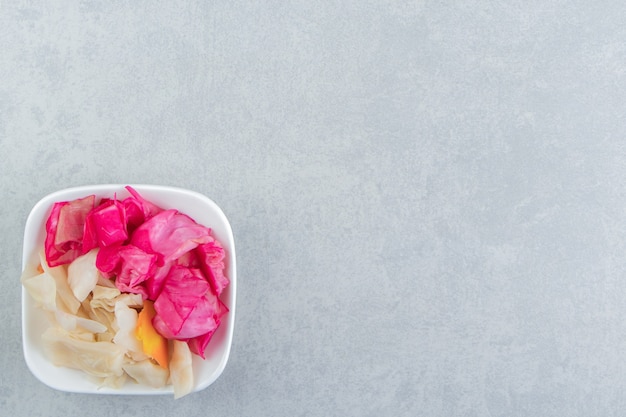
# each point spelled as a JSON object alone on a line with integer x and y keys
{"x": 105, "y": 225}
{"x": 147, "y": 208}
{"x": 188, "y": 309}
{"x": 163, "y": 255}
{"x": 170, "y": 234}
{"x": 129, "y": 265}
{"x": 181, "y": 294}
{"x": 213, "y": 309}
{"x": 211, "y": 257}
{"x": 65, "y": 229}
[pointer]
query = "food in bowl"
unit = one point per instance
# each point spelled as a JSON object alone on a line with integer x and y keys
{"x": 139, "y": 296}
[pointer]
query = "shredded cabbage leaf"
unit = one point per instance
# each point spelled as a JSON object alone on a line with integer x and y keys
{"x": 41, "y": 287}
{"x": 147, "y": 372}
{"x": 180, "y": 369}
{"x": 100, "y": 359}
{"x": 82, "y": 274}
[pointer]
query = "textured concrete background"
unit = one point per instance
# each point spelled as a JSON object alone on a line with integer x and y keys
{"x": 428, "y": 198}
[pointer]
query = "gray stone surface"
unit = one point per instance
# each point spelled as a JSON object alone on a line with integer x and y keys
{"x": 428, "y": 198}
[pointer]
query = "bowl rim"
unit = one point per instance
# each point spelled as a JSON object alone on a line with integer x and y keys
{"x": 44, "y": 205}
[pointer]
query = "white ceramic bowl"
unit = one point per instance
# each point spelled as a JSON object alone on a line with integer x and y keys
{"x": 197, "y": 206}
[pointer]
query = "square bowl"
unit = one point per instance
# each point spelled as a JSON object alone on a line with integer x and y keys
{"x": 200, "y": 208}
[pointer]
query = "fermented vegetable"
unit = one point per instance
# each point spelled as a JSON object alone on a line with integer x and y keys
{"x": 131, "y": 290}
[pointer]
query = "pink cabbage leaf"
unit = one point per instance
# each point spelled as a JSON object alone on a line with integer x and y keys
{"x": 211, "y": 256}
{"x": 170, "y": 234}
{"x": 129, "y": 265}
{"x": 187, "y": 309}
{"x": 147, "y": 208}
{"x": 65, "y": 229}
{"x": 198, "y": 344}
{"x": 183, "y": 290}
{"x": 105, "y": 225}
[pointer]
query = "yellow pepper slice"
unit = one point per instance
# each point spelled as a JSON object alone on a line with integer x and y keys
{"x": 153, "y": 344}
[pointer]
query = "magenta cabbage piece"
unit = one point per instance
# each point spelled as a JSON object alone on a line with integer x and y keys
{"x": 65, "y": 229}
{"x": 170, "y": 234}
{"x": 211, "y": 257}
{"x": 198, "y": 344}
{"x": 188, "y": 309}
{"x": 147, "y": 208}
{"x": 181, "y": 294}
{"x": 107, "y": 224}
{"x": 129, "y": 265}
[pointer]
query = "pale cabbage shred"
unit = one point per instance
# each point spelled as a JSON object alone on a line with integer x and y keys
{"x": 92, "y": 327}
